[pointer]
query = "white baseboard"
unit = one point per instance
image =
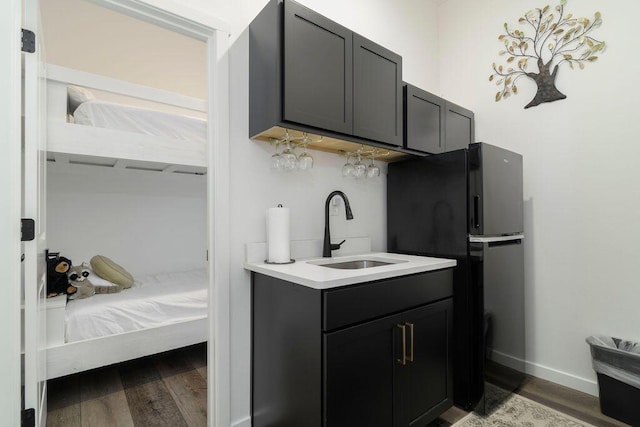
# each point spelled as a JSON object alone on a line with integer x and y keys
{"x": 546, "y": 373}
{"x": 244, "y": 422}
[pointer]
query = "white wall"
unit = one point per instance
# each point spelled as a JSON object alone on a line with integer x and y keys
{"x": 84, "y": 36}
{"x": 407, "y": 27}
{"x": 582, "y": 199}
{"x": 148, "y": 222}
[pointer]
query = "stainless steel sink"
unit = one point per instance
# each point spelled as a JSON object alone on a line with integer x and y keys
{"x": 355, "y": 264}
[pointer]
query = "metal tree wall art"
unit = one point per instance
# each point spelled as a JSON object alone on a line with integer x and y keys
{"x": 549, "y": 39}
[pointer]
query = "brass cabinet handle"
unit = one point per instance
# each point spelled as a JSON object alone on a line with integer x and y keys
{"x": 403, "y": 361}
{"x": 410, "y": 358}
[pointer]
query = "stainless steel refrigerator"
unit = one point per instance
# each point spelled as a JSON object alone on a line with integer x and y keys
{"x": 468, "y": 205}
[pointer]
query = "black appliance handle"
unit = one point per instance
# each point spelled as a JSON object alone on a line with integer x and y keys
{"x": 476, "y": 211}
{"x": 505, "y": 243}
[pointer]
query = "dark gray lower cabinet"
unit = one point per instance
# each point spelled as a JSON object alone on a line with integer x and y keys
{"x": 424, "y": 384}
{"x": 359, "y": 374}
{"x": 372, "y": 354}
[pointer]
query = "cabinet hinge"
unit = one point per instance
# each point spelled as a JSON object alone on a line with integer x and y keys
{"x": 28, "y": 417}
{"x": 27, "y": 229}
{"x": 28, "y": 41}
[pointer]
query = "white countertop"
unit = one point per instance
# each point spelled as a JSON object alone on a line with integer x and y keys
{"x": 303, "y": 272}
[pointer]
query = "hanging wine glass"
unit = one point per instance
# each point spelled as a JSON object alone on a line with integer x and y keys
{"x": 359, "y": 168}
{"x": 276, "y": 161}
{"x": 348, "y": 169}
{"x": 305, "y": 161}
{"x": 289, "y": 159}
{"x": 373, "y": 170}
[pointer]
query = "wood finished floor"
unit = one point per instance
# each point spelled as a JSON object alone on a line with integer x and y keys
{"x": 168, "y": 389}
{"x": 563, "y": 399}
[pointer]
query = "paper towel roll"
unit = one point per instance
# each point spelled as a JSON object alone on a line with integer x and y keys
{"x": 278, "y": 230}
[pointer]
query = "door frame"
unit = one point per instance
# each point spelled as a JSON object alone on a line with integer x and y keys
{"x": 214, "y": 32}
{"x": 10, "y": 200}
{"x": 177, "y": 17}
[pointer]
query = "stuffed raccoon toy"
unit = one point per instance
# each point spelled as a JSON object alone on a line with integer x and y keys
{"x": 78, "y": 277}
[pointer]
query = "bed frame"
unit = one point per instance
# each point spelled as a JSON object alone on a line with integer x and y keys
{"x": 68, "y": 142}
{"x": 71, "y": 143}
{"x": 74, "y": 357}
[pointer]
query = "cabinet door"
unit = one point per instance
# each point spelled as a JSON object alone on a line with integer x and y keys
{"x": 377, "y": 92}
{"x": 317, "y": 65}
{"x": 424, "y": 385}
{"x": 359, "y": 374}
{"x": 424, "y": 120}
{"x": 460, "y": 128}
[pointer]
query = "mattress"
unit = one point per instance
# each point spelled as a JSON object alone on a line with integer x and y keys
{"x": 141, "y": 120}
{"x": 155, "y": 300}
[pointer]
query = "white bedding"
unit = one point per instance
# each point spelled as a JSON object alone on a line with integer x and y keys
{"x": 155, "y": 300}
{"x": 134, "y": 119}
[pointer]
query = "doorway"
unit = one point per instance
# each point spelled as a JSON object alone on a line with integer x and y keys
{"x": 216, "y": 178}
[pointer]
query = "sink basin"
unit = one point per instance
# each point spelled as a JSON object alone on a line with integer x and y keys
{"x": 355, "y": 264}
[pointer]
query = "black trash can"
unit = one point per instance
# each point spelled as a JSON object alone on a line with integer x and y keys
{"x": 617, "y": 364}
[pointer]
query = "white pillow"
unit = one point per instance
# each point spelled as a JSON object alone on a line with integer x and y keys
{"x": 77, "y": 95}
{"x": 107, "y": 269}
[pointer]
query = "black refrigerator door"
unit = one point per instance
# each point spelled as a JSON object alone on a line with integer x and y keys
{"x": 427, "y": 205}
{"x": 498, "y": 266}
{"x": 495, "y": 191}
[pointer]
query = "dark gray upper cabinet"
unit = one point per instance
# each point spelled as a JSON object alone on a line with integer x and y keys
{"x": 433, "y": 124}
{"x": 377, "y": 92}
{"x": 460, "y": 128}
{"x": 317, "y": 70}
{"x": 424, "y": 120}
{"x": 311, "y": 74}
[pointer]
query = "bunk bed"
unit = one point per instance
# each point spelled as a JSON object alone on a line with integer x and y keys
{"x": 119, "y": 135}
{"x": 160, "y": 312}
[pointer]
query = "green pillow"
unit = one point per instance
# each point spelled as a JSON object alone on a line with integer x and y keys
{"x": 109, "y": 270}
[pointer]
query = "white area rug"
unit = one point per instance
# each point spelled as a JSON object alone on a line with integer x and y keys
{"x": 512, "y": 410}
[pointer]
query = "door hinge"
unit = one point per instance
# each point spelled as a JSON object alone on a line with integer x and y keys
{"x": 27, "y": 229}
{"x": 28, "y": 41}
{"x": 28, "y": 417}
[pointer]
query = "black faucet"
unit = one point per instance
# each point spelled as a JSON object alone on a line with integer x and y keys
{"x": 327, "y": 247}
